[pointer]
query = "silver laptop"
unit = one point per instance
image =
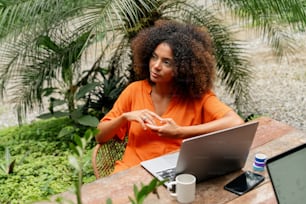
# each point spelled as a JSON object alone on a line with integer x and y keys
{"x": 206, "y": 156}
{"x": 287, "y": 172}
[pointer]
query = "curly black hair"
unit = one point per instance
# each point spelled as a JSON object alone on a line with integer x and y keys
{"x": 192, "y": 53}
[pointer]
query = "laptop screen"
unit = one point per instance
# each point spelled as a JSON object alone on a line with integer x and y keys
{"x": 287, "y": 172}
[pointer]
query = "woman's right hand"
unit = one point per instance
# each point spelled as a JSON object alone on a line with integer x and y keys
{"x": 144, "y": 117}
{"x": 109, "y": 128}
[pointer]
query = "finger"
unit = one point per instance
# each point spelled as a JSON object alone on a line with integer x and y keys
{"x": 157, "y": 129}
{"x": 149, "y": 120}
{"x": 143, "y": 118}
{"x": 152, "y": 127}
{"x": 154, "y": 115}
{"x": 166, "y": 121}
{"x": 170, "y": 121}
{"x": 142, "y": 123}
{"x": 158, "y": 117}
{"x": 151, "y": 117}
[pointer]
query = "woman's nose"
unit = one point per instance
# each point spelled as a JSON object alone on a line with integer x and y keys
{"x": 157, "y": 64}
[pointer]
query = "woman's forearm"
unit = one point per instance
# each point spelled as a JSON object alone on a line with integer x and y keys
{"x": 170, "y": 129}
{"x": 229, "y": 120}
{"x": 108, "y": 129}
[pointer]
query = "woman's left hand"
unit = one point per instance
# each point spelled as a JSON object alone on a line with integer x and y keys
{"x": 168, "y": 128}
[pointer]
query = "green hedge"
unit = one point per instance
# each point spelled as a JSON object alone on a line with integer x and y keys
{"x": 41, "y": 161}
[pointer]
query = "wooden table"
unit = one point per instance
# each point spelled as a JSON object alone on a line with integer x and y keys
{"x": 272, "y": 137}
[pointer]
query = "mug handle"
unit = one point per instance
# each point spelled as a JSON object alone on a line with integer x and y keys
{"x": 169, "y": 186}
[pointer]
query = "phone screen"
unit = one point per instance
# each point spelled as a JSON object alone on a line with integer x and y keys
{"x": 244, "y": 182}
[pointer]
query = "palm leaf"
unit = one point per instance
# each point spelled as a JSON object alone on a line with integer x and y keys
{"x": 275, "y": 20}
{"x": 42, "y": 42}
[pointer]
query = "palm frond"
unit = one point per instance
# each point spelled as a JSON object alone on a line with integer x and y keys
{"x": 40, "y": 52}
{"x": 42, "y": 42}
{"x": 276, "y": 20}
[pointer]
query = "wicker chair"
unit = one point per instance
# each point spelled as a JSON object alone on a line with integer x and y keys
{"x": 104, "y": 156}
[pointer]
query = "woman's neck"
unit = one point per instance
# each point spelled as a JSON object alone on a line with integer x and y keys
{"x": 161, "y": 97}
{"x": 163, "y": 90}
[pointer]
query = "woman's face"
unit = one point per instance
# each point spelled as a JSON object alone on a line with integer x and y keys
{"x": 161, "y": 64}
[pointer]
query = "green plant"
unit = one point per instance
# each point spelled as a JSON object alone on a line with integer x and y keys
{"x": 44, "y": 47}
{"x": 42, "y": 168}
{"x": 44, "y": 43}
{"x": 8, "y": 165}
{"x": 101, "y": 99}
{"x": 72, "y": 83}
{"x": 76, "y": 159}
{"x": 143, "y": 192}
{"x": 252, "y": 117}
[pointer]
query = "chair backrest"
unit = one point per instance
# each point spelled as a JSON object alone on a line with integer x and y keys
{"x": 104, "y": 156}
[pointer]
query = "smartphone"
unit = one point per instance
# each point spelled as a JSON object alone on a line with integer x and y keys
{"x": 244, "y": 182}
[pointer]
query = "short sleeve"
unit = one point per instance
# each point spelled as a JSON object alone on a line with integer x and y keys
{"x": 213, "y": 107}
{"x": 122, "y": 105}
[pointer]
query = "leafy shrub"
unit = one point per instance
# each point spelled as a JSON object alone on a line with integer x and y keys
{"x": 41, "y": 160}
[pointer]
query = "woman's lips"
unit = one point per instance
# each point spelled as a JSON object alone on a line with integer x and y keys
{"x": 154, "y": 75}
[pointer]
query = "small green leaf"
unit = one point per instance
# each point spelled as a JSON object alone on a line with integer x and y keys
{"x": 88, "y": 120}
{"x": 48, "y": 91}
{"x": 74, "y": 149}
{"x": 135, "y": 190}
{"x": 83, "y": 141}
{"x": 58, "y": 102}
{"x": 7, "y": 157}
{"x": 131, "y": 200}
{"x": 86, "y": 89}
{"x": 11, "y": 167}
{"x": 109, "y": 201}
{"x": 77, "y": 113}
{"x": 3, "y": 168}
{"x": 74, "y": 162}
{"x": 89, "y": 134}
{"x": 56, "y": 114}
{"x": 47, "y": 43}
{"x": 77, "y": 140}
{"x": 80, "y": 151}
{"x": 68, "y": 130}
{"x": 145, "y": 190}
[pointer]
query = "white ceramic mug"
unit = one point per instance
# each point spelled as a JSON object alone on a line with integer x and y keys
{"x": 185, "y": 188}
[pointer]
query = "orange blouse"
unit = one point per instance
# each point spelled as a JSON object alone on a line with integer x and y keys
{"x": 145, "y": 144}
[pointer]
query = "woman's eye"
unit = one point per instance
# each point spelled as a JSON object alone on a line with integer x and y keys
{"x": 168, "y": 63}
{"x": 154, "y": 56}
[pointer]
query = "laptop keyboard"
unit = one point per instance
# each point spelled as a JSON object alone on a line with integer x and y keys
{"x": 168, "y": 174}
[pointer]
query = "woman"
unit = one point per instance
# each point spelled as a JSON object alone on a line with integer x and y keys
{"x": 173, "y": 98}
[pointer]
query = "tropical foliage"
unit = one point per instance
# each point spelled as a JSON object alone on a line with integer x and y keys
{"x": 275, "y": 20}
{"x": 74, "y": 55}
{"x": 44, "y": 161}
{"x": 48, "y": 162}
{"x": 45, "y": 44}
{"x": 76, "y": 159}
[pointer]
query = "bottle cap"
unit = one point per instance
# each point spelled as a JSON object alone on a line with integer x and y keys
{"x": 260, "y": 157}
